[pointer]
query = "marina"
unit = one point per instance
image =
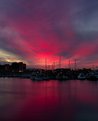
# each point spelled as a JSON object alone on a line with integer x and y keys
{"x": 48, "y": 60}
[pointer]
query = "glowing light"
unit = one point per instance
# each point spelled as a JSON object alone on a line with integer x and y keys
{"x": 6, "y": 56}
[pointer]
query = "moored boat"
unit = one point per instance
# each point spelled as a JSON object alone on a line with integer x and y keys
{"x": 81, "y": 76}
{"x": 92, "y": 76}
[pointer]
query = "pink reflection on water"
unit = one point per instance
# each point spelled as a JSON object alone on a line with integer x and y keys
{"x": 47, "y": 104}
{"x": 25, "y": 100}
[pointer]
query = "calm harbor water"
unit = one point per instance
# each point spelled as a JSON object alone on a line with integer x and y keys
{"x": 25, "y": 100}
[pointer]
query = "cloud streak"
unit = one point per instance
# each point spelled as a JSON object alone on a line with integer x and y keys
{"x": 35, "y": 30}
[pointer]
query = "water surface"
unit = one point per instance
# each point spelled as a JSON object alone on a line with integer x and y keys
{"x": 25, "y": 100}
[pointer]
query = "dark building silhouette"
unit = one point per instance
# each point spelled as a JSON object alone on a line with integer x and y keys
{"x": 7, "y": 67}
{"x": 18, "y": 67}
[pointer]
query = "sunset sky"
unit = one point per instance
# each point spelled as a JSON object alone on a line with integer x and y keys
{"x": 34, "y": 30}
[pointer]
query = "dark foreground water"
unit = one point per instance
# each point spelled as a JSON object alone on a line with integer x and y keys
{"x": 25, "y": 100}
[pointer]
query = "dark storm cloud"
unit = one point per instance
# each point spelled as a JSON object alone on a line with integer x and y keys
{"x": 85, "y": 20}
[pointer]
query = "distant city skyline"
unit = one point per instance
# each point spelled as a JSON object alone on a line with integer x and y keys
{"x": 35, "y": 30}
